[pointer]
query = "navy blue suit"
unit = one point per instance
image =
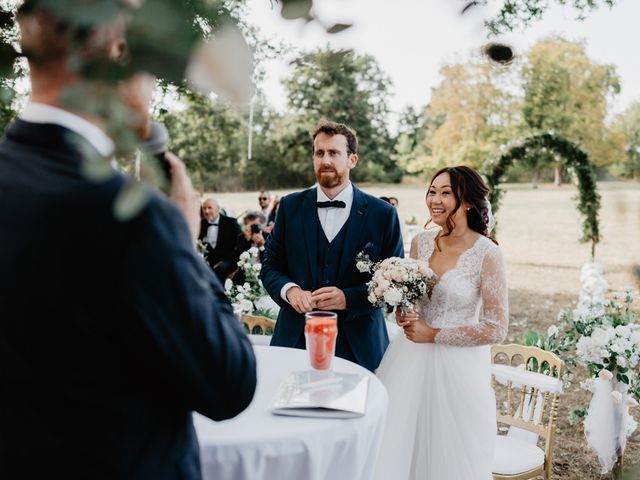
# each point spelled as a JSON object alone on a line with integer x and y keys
{"x": 292, "y": 254}
{"x": 111, "y": 331}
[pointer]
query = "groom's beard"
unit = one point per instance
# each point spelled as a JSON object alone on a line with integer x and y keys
{"x": 329, "y": 177}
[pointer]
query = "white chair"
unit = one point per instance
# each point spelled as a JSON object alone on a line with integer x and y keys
{"x": 528, "y": 383}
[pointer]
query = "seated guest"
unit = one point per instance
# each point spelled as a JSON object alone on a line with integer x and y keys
{"x": 271, "y": 219}
{"x": 394, "y": 202}
{"x": 264, "y": 200}
{"x": 253, "y": 235}
{"x": 219, "y": 233}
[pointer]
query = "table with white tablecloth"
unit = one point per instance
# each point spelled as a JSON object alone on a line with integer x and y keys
{"x": 257, "y": 445}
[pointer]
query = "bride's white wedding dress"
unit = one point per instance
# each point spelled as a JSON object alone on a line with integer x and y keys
{"x": 441, "y": 422}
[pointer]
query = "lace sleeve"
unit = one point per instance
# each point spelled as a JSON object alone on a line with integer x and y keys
{"x": 494, "y": 318}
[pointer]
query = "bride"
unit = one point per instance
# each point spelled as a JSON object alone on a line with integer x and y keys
{"x": 441, "y": 422}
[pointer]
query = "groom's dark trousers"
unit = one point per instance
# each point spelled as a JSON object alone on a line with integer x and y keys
{"x": 112, "y": 331}
{"x": 298, "y": 251}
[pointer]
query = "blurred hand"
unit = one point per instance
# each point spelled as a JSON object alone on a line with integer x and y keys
{"x": 420, "y": 332}
{"x": 136, "y": 93}
{"x": 257, "y": 239}
{"x": 300, "y": 300}
{"x": 329, "y": 298}
{"x": 183, "y": 193}
{"x": 406, "y": 318}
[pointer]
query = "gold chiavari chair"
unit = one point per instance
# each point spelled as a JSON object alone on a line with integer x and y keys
{"x": 256, "y": 325}
{"x": 528, "y": 383}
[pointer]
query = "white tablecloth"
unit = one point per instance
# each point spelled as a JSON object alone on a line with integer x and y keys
{"x": 258, "y": 445}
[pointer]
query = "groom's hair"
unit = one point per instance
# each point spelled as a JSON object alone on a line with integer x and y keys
{"x": 333, "y": 128}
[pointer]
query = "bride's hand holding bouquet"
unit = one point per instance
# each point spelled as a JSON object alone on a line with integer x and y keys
{"x": 397, "y": 283}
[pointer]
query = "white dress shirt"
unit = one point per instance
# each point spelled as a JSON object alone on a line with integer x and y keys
{"x": 332, "y": 219}
{"x": 212, "y": 232}
{"x": 41, "y": 113}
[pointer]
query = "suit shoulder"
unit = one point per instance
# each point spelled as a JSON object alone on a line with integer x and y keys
{"x": 292, "y": 198}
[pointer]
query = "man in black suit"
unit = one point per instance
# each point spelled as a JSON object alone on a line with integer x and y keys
{"x": 220, "y": 235}
{"x": 108, "y": 342}
{"x": 309, "y": 260}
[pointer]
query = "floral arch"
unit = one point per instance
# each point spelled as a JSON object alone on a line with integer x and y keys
{"x": 572, "y": 157}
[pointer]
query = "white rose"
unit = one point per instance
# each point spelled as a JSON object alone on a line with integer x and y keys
{"x": 552, "y": 330}
{"x": 605, "y": 375}
{"x": 254, "y": 251}
{"x": 246, "y": 286}
{"x": 362, "y": 267}
{"x": 372, "y": 298}
{"x": 392, "y": 296}
{"x": 246, "y": 305}
{"x": 621, "y": 361}
{"x": 623, "y": 331}
{"x": 240, "y": 297}
{"x": 257, "y": 267}
{"x": 245, "y": 256}
{"x": 228, "y": 284}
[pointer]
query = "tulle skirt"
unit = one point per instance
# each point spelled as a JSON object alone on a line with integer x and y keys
{"x": 441, "y": 422}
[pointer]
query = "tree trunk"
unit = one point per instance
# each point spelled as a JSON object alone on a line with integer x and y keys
{"x": 557, "y": 175}
{"x": 535, "y": 178}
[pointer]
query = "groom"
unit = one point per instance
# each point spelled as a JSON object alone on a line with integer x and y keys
{"x": 310, "y": 261}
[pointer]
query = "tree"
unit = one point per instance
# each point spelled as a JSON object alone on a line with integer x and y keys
{"x": 470, "y": 115}
{"x": 566, "y": 93}
{"x": 351, "y": 89}
{"x": 628, "y": 125}
{"x": 516, "y": 14}
{"x": 209, "y": 137}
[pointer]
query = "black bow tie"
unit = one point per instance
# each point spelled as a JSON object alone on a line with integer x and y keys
{"x": 212, "y": 224}
{"x": 331, "y": 204}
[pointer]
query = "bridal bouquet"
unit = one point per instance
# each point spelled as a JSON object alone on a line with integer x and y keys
{"x": 396, "y": 282}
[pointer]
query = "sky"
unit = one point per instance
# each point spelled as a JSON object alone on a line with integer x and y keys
{"x": 412, "y": 40}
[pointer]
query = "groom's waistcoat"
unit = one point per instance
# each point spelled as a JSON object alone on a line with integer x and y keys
{"x": 329, "y": 255}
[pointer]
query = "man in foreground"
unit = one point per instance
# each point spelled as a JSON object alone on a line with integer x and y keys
{"x": 112, "y": 331}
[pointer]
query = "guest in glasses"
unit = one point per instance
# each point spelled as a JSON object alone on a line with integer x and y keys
{"x": 309, "y": 262}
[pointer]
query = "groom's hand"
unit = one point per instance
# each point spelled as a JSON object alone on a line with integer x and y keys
{"x": 329, "y": 298}
{"x": 300, "y": 300}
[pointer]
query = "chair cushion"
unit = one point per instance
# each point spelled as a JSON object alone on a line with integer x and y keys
{"x": 260, "y": 339}
{"x": 514, "y": 456}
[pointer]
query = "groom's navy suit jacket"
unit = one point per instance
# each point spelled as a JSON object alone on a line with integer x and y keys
{"x": 111, "y": 331}
{"x": 291, "y": 255}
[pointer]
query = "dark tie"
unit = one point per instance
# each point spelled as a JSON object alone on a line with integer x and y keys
{"x": 331, "y": 204}
{"x": 213, "y": 224}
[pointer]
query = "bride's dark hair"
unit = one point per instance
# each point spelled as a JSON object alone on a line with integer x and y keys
{"x": 468, "y": 186}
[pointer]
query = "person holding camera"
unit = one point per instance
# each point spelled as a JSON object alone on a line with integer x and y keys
{"x": 253, "y": 235}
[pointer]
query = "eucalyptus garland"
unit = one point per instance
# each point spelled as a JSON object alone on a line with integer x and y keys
{"x": 573, "y": 158}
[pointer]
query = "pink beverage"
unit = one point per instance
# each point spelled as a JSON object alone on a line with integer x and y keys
{"x": 320, "y": 331}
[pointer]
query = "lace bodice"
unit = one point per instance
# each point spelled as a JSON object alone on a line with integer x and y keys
{"x": 469, "y": 303}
